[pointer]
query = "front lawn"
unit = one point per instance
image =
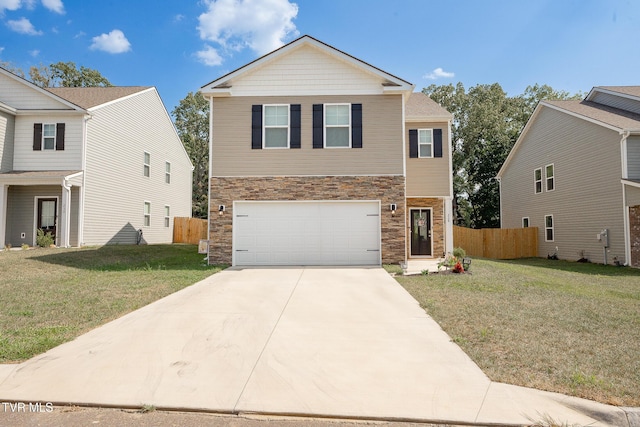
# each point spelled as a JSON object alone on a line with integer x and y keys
{"x": 50, "y": 296}
{"x": 553, "y": 325}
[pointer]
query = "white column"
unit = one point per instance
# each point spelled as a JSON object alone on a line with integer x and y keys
{"x": 65, "y": 216}
{"x": 4, "y": 190}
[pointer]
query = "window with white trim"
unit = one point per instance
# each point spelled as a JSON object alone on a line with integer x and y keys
{"x": 548, "y": 228}
{"x": 167, "y": 172}
{"x": 525, "y": 222}
{"x": 337, "y": 125}
{"x": 147, "y": 214}
{"x": 537, "y": 180}
{"x": 49, "y": 136}
{"x": 425, "y": 143}
{"x": 147, "y": 164}
{"x": 550, "y": 179}
{"x": 167, "y": 216}
{"x": 276, "y": 126}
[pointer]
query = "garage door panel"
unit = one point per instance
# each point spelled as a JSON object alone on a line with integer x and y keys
{"x": 307, "y": 233}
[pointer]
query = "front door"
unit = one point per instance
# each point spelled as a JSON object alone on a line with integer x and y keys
{"x": 420, "y": 232}
{"x": 47, "y": 215}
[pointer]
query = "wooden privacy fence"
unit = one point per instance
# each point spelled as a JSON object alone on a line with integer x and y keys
{"x": 497, "y": 243}
{"x": 189, "y": 230}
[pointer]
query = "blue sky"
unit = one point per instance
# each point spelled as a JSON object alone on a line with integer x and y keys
{"x": 181, "y": 45}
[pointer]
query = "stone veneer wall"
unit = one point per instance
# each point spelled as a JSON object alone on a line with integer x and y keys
{"x": 634, "y": 232}
{"x": 387, "y": 189}
{"x": 437, "y": 219}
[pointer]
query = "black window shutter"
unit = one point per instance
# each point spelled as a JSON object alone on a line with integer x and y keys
{"x": 256, "y": 127}
{"x": 37, "y": 136}
{"x": 60, "y": 136}
{"x": 437, "y": 143}
{"x": 413, "y": 143}
{"x": 356, "y": 125}
{"x": 296, "y": 134}
{"x": 318, "y": 124}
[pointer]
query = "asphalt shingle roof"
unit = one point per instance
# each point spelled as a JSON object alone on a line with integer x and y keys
{"x": 420, "y": 106}
{"x": 88, "y": 97}
{"x": 615, "y": 117}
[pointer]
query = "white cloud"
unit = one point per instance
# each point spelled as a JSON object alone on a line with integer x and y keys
{"x": 438, "y": 73}
{"x": 9, "y": 5}
{"x": 34, "y": 52}
{"x": 23, "y": 26}
{"x": 114, "y": 42}
{"x": 209, "y": 56}
{"x": 261, "y": 25}
{"x": 54, "y": 6}
{"x": 178, "y": 18}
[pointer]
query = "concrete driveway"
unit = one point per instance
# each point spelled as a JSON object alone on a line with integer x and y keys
{"x": 348, "y": 342}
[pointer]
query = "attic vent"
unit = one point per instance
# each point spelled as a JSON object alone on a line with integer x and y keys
{"x": 390, "y": 84}
{"x": 223, "y": 86}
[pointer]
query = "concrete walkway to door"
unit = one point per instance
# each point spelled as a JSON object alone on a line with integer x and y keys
{"x": 348, "y": 343}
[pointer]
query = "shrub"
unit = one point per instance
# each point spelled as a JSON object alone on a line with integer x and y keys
{"x": 44, "y": 240}
{"x": 459, "y": 253}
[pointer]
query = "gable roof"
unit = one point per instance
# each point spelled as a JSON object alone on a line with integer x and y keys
{"x": 389, "y": 82}
{"x": 629, "y": 91}
{"x": 420, "y": 107}
{"x": 89, "y": 97}
{"x": 612, "y": 118}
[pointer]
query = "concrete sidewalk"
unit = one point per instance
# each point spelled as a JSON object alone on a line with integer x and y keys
{"x": 346, "y": 343}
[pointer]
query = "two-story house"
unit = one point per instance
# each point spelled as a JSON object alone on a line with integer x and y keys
{"x": 574, "y": 173}
{"x": 318, "y": 158}
{"x": 92, "y": 166}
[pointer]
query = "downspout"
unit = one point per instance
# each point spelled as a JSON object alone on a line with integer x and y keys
{"x": 625, "y": 208}
{"x": 84, "y": 178}
{"x": 66, "y": 212}
{"x": 210, "y": 175}
{"x": 449, "y": 206}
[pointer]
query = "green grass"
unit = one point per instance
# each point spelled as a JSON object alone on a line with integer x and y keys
{"x": 50, "y": 296}
{"x": 553, "y": 325}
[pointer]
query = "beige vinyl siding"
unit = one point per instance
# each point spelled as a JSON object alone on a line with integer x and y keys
{"x": 633, "y": 157}
{"x": 616, "y": 101}
{"x": 21, "y": 96}
{"x": 7, "y": 125}
{"x": 306, "y": 71}
{"x": 381, "y": 154}
{"x": 632, "y": 195}
{"x": 115, "y": 188}
{"x": 587, "y": 196}
{"x": 428, "y": 177}
{"x": 26, "y": 159}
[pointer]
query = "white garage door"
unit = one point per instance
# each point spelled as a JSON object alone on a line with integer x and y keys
{"x": 306, "y": 233}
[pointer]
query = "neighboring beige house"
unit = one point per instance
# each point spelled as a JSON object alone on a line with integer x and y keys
{"x": 575, "y": 173}
{"x": 318, "y": 158}
{"x": 90, "y": 165}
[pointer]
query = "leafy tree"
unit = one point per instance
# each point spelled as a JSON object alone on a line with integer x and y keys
{"x": 66, "y": 74}
{"x": 192, "y": 123}
{"x": 9, "y": 66}
{"x": 486, "y": 124}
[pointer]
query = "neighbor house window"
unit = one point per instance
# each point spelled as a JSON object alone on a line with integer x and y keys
{"x": 147, "y": 214}
{"x": 548, "y": 228}
{"x": 167, "y": 216}
{"x": 549, "y": 174}
{"x": 337, "y": 125}
{"x": 276, "y": 126}
{"x": 147, "y": 164}
{"x": 425, "y": 142}
{"x": 537, "y": 179}
{"x": 167, "y": 173}
{"x": 525, "y": 222}
{"x": 49, "y": 136}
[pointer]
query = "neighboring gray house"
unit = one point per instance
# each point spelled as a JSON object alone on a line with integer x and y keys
{"x": 319, "y": 158}
{"x": 91, "y": 165}
{"x": 574, "y": 173}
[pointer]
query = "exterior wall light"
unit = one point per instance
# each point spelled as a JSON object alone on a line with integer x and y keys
{"x": 393, "y": 207}
{"x": 221, "y": 209}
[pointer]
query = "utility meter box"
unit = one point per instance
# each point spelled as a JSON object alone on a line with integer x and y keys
{"x": 603, "y": 237}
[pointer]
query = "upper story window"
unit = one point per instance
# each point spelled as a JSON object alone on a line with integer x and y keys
{"x": 276, "y": 126}
{"x": 537, "y": 180}
{"x": 337, "y": 125}
{"x": 167, "y": 172}
{"x": 48, "y": 136}
{"x": 550, "y": 180}
{"x": 525, "y": 222}
{"x": 425, "y": 143}
{"x": 147, "y": 164}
